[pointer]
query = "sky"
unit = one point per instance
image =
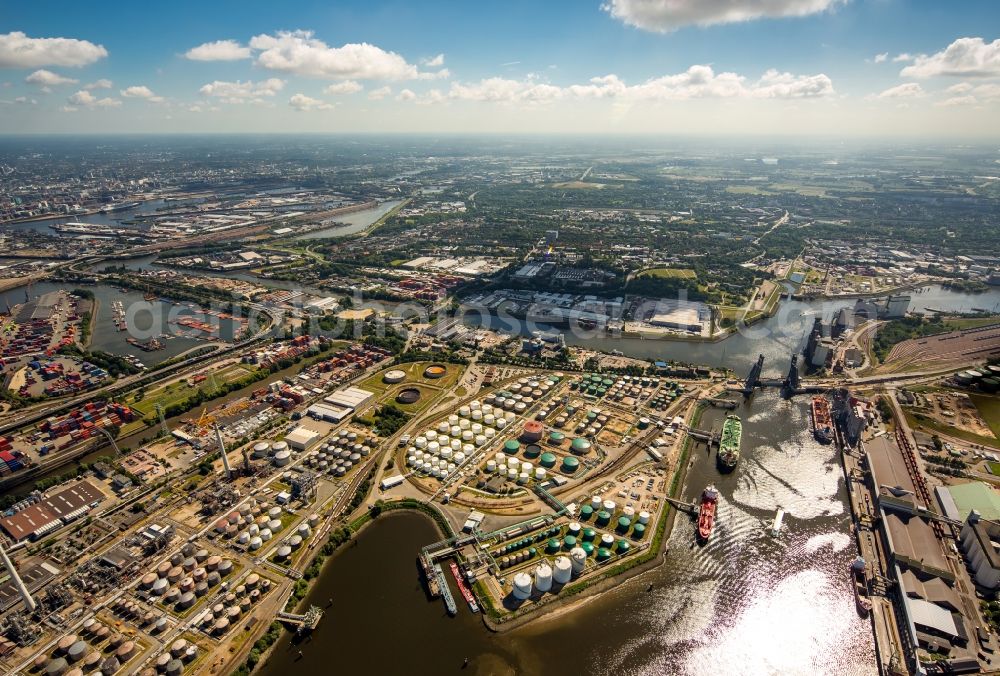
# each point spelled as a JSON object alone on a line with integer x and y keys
{"x": 831, "y": 68}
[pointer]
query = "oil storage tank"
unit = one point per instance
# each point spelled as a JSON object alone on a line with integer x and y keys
{"x": 562, "y": 570}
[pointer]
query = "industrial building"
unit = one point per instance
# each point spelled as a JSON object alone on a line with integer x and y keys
{"x": 350, "y": 398}
{"x": 980, "y": 541}
{"x": 302, "y": 438}
{"x": 52, "y": 511}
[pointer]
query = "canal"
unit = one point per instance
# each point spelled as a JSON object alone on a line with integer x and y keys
{"x": 746, "y": 603}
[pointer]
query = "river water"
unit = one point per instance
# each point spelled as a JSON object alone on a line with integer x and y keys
{"x": 777, "y": 337}
{"x": 745, "y": 603}
{"x": 352, "y": 223}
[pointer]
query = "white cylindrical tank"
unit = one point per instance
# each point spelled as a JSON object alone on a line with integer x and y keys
{"x": 282, "y": 458}
{"x": 522, "y": 586}
{"x": 489, "y": 419}
{"x": 540, "y": 473}
{"x": 491, "y": 466}
{"x": 420, "y": 442}
{"x": 523, "y": 477}
{"x": 456, "y": 444}
{"x": 434, "y": 447}
{"x": 595, "y": 502}
{"x": 453, "y": 419}
{"x": 628, "y": 511}
{"x": 431, "y": 435}
{"x": 543, "y": 577}
{"x": 562, "y": 570}
{"x": 512, "y": 474}
{"x": 459, "y": 458}
{"x": 578, "y": 558}
{"x": 443, "y": 427}
{"x": 467, "y": 436}
{"x": 609, "y": 506}
{"x": 477, "y": 415}
{"x": 490, "y": 432}
{"x": 501, "y": 423}
{"x": 464, "y": 425}
{"x": 644, "y": 517}
{"x": 464, "y": 411}
{"x": 479, "y": 439}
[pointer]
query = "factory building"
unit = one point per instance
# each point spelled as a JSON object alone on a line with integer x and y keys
{"x": 302, "y": 438}
{"x": 980, "y": 541}
{"x": 350, "y": 398}
{"x": 52, "y": 511}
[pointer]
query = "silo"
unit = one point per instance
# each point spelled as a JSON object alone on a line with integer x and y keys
{"x": 56, "y": 667}
{"x": 562, "y": 570}
{"x": 578, "y": 559}
{"x": 522, "y": 586}
{"x": 609, "y": 506}
{"x": 76, "y": 651}
{"x": 159, "y": 587}
{"x": 213, "y": 578}
{"x": 186, "y": 600}
{"x": 543, "y": 577}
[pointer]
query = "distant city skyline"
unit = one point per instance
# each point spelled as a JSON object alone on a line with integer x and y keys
{"x": 795, "y": 67}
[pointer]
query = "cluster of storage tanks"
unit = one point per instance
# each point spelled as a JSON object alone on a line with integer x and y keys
{"x": 73, "y": 655}
{"x": 513, "y": 469}
{"x": 603, "y": 511}
{"x": 172, "y": 661}
{"x": 986, "y": 377}
{"x": 278, "y": 451}
{"x": 441, "y": 450}
{"x": 341, "y": 453}
{"x": 294, "y": 541}
{"x": 186, "y": 576}
{"x": 221, "y": 617}
{"x": 548, "y": 573}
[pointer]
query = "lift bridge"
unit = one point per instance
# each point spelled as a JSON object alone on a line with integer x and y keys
{"x": 790, "y": 385}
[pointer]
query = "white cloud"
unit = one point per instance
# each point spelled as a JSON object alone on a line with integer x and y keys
{"x": 24, "y": 100}
{"x": 663, "y": 16}
{"x": 775, "y": 85}
{"x": 300, "y": 53}
{"x": 141, "y": 92}
{"x": 907, "y": 90}
{"x": 103, "y": 83}
{"x": 406, "y": 95}
{"x": 47, "y": 78}
{"x": 220, "y": 50}
{"x": 301, "y": 102}
{"x": 239, "y": 92}
{"x": 881, "y": 58}
{"x": 965, "y": 57}
{"x": 345, "y": 87}
{"x": 965, "y": 93}
{"x": 959, "y": 101}
{"x": 84, "y": 99}
{"x": 380, "y": 93}
{"x": 434, "y": 61}
{"x": 697, "y": 82}
{"x": 902, "y": 58}
{"x": 17, "y": 50}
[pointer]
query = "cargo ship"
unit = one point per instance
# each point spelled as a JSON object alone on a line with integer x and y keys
{"x": 463, "y": 588}
{"x": 706, "y": 512}
{"x": 861, "y": 599}
{"x": 118, "y": 206}
{"x": 729, "y": 445}
{"x": 822, "y": 422}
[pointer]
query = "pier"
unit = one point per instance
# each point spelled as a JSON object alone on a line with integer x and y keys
{"x": 305, "y": 622}
{"x": 682, "y": 506}
{"x": 449, "y": 600}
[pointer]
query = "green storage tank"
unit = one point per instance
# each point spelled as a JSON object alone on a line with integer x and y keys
{"x": 532, "y": 551}
{"x": 547, "y": 460}
{"x": 586, "y": 512}
{"x": 581, "y": 446}
{"x": 553, "y": 545}
{"x": 989, "y": 384}
{"x": 511, "y": 446}
{"x": 589, "y": 534}
{"x": 603, "y": 518}
{"x": 588, "y": 547}
{"x": 624, "y": 523}
{"x": 623, "y": 546}
{"x": 570, "y": 464}
{"x": 556, "y": 438}
{"x": 603, "y": 554}
{"x": 638, "y": 531}
{"x": 569, "y": 542}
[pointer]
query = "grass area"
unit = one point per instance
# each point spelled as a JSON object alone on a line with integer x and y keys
{"x": 747, "y": 190}
{"x": 669, "y": 273}
{"x": 178, "y": 391}
{"x": 578, "y": 185}
{"x": 989, "y": 410}
{"x": 933, "y": 426}
{"x": 958, "y": 323}
{"x": 804, "y": 190}
{"x": 994, "y": 468}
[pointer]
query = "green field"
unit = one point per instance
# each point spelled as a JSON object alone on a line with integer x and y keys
{"x": 989, "y": 409}
{"x": 669, "y": 273}
{"x": 177, "y": 392}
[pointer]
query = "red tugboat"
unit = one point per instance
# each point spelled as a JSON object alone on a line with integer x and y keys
{"x": 706, "y": 512}
{"x": 860, "y": 587}
{"x": 822, "y": 422}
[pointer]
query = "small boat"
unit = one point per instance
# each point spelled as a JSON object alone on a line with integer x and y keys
{"x": 463, "y": 588}
{"x": 860, "y": 581}
{"x": 706, "y": 512}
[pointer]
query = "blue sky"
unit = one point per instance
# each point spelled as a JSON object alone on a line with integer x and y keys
{"x": 734, "y": 66}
